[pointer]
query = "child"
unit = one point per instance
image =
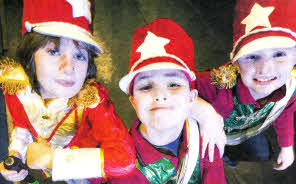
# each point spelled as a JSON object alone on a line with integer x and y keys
{"x": 264, "y": 53}
{"x": 159, "y": 82}
{"x": 52, "y": 98}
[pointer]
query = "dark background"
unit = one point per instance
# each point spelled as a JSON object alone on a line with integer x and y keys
{"x": 208, "y": 22}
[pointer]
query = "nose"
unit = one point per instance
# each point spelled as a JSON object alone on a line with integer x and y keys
{"x": 160, "y": 95}
{"x": 264, "y": 67}
{"x": 66, "y": 64}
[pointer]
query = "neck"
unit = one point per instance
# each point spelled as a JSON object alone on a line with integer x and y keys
{"x": 160, "y": 137}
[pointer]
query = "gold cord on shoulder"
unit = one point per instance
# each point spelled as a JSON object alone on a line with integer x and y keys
{"x": 88, "y": 96}
{"x": 12, "y": 76}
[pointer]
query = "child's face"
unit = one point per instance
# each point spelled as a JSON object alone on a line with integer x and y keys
{"x": 266, "y": 70}
{"x": 162, "y": 98}
{"x": 61, "y": 71}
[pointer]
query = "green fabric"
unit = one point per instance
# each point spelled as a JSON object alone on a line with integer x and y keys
{"x": 163, "y": 171}
{"x": 158, "y": 172}
{"x": 243, "y": 115}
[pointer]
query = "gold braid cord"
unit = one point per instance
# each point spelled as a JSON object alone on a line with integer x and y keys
{"x": 225, "y": 77}
{"x": 88, "y": 96}
{"x": 13, "y": 78}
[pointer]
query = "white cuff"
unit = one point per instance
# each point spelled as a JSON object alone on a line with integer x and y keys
{"x": 77, "y": 163}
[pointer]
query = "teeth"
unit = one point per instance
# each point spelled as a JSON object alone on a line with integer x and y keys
{"x": 264, "y": 79}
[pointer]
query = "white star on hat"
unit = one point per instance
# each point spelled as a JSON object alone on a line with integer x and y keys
{"x": 81, "y": 8}
{"x": 258, "y": 17}
{"x": 152, "y": 46}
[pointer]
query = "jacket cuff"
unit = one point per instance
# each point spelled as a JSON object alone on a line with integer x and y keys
{"x": 77, "y": 163}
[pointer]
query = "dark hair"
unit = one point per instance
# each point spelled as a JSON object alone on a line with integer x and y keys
{"x": 32, "y": 41}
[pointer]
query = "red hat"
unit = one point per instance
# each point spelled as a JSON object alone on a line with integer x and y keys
{"x": 161, "y": 44}
{"x": 260, "y": 24}
{"x": 62, "y": 18}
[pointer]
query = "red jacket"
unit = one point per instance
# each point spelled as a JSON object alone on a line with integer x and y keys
{"x": 99, "y": 127}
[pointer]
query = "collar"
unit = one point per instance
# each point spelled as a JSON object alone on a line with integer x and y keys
{"x": 148, "y": 154}
{"x": 245, "y": 97}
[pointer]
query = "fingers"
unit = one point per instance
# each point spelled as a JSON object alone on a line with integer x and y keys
{"x": 14, "y": 175}
{"x": 221, "y": 147}
{"x": 211, "y": 149}
{"x": 204, "y": 147}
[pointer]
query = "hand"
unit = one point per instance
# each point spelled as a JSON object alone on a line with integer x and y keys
{"x": 211, "y": 127}
{"x": 39, "y": 154}
{"x": 285, "y": 158}
{"x": 12, "y": 175}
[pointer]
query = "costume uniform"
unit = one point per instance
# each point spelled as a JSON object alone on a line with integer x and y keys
{"x": 84, "y": 121}
{"x": 162, "y": 166}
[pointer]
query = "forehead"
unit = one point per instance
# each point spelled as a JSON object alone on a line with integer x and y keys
{"x": 267, "y": 51}
{"x": 65, "y": 42}
{"x": 160, "y": 74}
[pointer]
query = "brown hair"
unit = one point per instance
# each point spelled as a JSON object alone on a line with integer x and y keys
{"x": 32, "y": 41}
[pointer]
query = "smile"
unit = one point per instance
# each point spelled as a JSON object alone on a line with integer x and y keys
{"x": 264, "y": 80}
{"x": 65, "y": 83}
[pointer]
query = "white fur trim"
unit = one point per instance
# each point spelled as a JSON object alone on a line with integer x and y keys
{"x": 257, "y": 31}
{"x": 76, "y": 164}
{"x": 61, "y": 29}
{"x": 125, "y": 81}
{"x": 265, "y": 43}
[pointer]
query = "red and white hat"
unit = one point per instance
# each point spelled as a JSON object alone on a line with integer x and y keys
{"x": 161, "y": 44}
{"x": 260, "y": 24}
{"x": 62, "y": 18}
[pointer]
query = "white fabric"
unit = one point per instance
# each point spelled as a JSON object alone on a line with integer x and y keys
{"x": 76, "y": 164}
{"x": 189, "y": 163}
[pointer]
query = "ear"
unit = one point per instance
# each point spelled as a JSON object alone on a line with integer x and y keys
{"x": 132, "y": 100}
{"x": 237, "y": 66}
{"x": 193, "y": 95}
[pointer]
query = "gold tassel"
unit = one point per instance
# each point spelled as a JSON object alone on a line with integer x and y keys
{"x": 293, "y": 72}
{"x": 88, "y": 96}
{"x": 225, "y": 77}
{"x": 13, "y": 78}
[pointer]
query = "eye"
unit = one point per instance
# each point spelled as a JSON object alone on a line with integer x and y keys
{"x": 279, "y": 54}
{"x": 80, "y": 57}
{"x": 174, "y": 85}
{"x": 145, "y": 87}
{"x": 53, "y": 52}
{"x": 252, "y": 57}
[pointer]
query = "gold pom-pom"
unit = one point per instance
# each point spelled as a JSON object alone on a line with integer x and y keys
{"x": 293, "y": 72}
{"x": 88, "y": 96}
{"x": 225, "y": 77}
{"x": 13, "y": 78}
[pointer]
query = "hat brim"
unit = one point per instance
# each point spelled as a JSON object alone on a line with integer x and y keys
{"x": 66, "y": 30}
{"x": 264, "y": 43}
{"x": 125, "y": 81}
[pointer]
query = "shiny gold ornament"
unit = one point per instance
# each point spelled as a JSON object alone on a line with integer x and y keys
{"x": 225, "y": 77}
{"x": 293, "y": 72}
{"x": 13, "y": 78}
{"x": 88, "y": 96}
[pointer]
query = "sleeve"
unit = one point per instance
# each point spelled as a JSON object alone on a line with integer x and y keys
{"x": 115, "y": 141}
{"x": 220, "y": 99}
{"x": 213, "y": 172}
{"x": 284, "y": 126}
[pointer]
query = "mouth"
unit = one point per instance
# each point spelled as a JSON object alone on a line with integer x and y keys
{"x": 264, "y": 80}
{"x": 159, "y": 108}
{"x": 65, "y": 83}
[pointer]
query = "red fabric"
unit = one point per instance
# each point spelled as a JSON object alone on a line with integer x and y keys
{"x": 212, "y": 173}
{"x": 36, "y": 11}
{"x": 180, "y": 45}
{"x": 222, "y": 101}
{"x": 99, "y": 127}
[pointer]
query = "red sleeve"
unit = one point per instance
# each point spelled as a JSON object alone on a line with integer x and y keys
{"x": 284, "y": 125}
{"x": 212, "y": 172}
{"x": 109, "y": 130}
{"x": 220, "y": 99}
